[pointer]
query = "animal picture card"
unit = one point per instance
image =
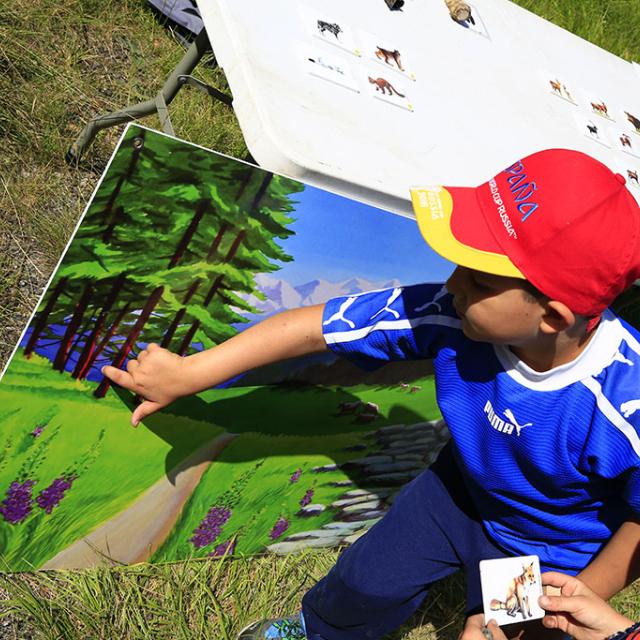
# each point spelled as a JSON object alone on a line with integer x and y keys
{"x": 626, "y": 142}
{"x": 389, "y": 55}
{"x": 597, "y": 106}
{"x": 474, "y": 22}
{"x": 592, "y": 128}
{"x": 632, "y": 120}
{"x": 510, "y": 589}
{"x": 389, "y": 88}
{"x": 556, "y": 85}
{"x": 328, "y": 67}
{"x": 329, "y": 28}
{"x": 631, "y": 172}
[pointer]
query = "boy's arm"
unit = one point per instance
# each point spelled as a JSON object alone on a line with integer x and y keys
{"x": 161, "y": 377}
{"x": 618, "y": 564}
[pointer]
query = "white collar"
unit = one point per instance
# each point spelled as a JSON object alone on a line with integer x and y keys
{"x": 599, "y": 354}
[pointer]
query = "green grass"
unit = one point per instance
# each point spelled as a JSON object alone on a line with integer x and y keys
{"x": 62, "y": 62}
{"x": 280, "y": 430}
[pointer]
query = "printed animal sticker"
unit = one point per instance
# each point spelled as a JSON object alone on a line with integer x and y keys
{"x": 473, "y": 22}
{"x": 556, "y": 85}
{"x": 328, "y": 67}
{"x": 389, "y": 88}
{"x": 597, "y": 106}
{"x": 329, "y": 28}
{"x": 632, "y": 120}
{"x": 592, "y": 128}
{"x": 510, "y": 589}
{"x": 627, "y": 142}
{"x": 631, "y": 172}
{"x": 389, "y": 55}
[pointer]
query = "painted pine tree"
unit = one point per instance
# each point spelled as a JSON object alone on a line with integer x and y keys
{"x": 173, "y": 237}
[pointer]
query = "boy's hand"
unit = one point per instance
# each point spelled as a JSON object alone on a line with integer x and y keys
{"x": 579, "y": 611}
{"x": 157, "y": 375}
{"x": 473, "y": 628}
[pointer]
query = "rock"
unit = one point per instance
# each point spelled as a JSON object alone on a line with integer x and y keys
{"x": 312, "y": 510}
{"x": 314, "y": 533}
{"x": 345, "y": 526}
{"x": 341, "y": 483}
{"x": 368, "y": 515}
{"x": 356, "y": 447}
{"x": 396, "y": 444}
{"x": 392, "y": 467}
{"x": 367, "y": 460}
{"x": 398, "y": 478}
{"x": 347, "y": 502}
{"x": 354, "y": 536}
{"x": 378, "y": 493}
{"x": 391, "y": 428}
{"x": 325, "y": 468}
{"x": 362, "y": 506}
{"x": 284, "y": 548}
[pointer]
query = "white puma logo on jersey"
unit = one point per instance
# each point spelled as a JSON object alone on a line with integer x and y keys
{"x": 501, "y": 425}
{"x": 630, "y": 407}
{"x": 395, "y": 294}
{"x": 519, "y": 427}
{"x": 339, "y": 315}
{"x": 620, "y": 358}
{"x": 440, "y": 294}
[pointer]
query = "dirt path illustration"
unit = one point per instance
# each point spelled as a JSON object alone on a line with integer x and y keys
{"x": 135, "y": 533}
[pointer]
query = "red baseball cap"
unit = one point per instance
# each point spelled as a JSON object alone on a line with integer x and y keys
{"x": 557, "y": 218}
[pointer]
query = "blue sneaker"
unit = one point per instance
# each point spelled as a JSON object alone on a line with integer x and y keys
{"x": 278, "y": 629}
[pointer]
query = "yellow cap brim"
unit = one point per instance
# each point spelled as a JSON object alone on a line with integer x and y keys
{"x": 434, "y": 207}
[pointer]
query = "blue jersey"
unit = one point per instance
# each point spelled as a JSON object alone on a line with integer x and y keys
{"x": 551, "y": 459}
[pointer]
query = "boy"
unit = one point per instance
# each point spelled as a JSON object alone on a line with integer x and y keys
{"x": 536, "y": 379}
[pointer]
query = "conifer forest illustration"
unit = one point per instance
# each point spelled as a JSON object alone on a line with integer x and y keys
{"x": 183, "y": 247}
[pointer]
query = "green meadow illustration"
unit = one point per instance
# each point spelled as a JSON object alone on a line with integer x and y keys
{"x": 184, "y": 247}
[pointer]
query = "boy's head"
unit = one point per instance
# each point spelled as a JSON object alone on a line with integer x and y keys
{"x": 558, "y": 219}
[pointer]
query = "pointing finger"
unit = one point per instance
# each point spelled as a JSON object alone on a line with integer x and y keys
{"x": 118, "y": 376}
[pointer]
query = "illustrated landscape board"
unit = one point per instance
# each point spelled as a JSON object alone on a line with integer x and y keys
{"x": 184, "y": 247}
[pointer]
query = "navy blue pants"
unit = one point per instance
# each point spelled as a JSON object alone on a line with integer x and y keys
{"x": 430, "y": 531}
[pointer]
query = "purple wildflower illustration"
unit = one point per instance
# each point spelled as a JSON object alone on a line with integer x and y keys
{"x": 50, "y": 497}
{"x": 306, "y": 499}
{"x": 38, "y": 431}
{"x": 210, "y": 527}
{"x": 18, "y": 503}
{"x": 226, "y": 548}
{"x": 279, "y": 528}
{"x": 295, "y": 476}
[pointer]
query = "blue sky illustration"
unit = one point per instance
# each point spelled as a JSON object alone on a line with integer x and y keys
{"x": 338, "y": 238}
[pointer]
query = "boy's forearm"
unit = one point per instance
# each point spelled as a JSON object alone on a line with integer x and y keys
{"x": 618, "y": 564}
{"x": 285, "y": 335}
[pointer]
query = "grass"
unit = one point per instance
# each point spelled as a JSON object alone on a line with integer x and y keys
{"x": 61, "y": 62}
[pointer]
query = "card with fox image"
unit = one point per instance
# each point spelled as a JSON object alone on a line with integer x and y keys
{"x": 389, "y": 55}
{"x": 510, "y": 589}
{"x": 389, "y": 88}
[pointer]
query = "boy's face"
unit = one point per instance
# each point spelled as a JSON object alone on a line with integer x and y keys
{"x": 494, "y": 308}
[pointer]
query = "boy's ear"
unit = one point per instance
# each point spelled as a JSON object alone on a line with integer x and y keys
{"x": 557, "y": 317}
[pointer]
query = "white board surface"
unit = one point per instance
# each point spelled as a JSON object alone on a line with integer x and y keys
{"x": 476, "y": 99}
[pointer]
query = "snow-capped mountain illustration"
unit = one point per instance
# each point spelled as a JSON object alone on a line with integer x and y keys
{"x": 281, "y": 295}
